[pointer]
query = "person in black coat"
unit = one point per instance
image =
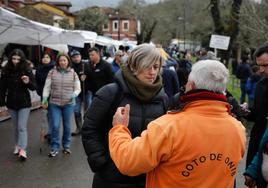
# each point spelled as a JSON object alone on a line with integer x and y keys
{"x": 100, "y": 72}
{"x": 170, "y": 82}
{"x": 243, "y": 72}
{"x": 258, "y": 114}
{"x": 40, "y": 76}
{"x": 16, "y": 81}
{"x": 139, "y": 84}
{"x": 82, "y": 70}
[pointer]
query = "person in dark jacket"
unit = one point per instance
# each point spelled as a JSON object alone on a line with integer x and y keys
{"x": 40, "y": 76}
{"x": 16, "y": 81}
{"x": 170, "y": 82}
{"x": 251, "y": 84}
{"x": 137, "y": 83}
{"x": 259, "y": 112}
{"x": 243, "y": 72}
{"x": 82, "y": 70}
{"x": 100, "y": 71}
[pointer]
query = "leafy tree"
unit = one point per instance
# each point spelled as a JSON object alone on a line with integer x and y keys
{"x": 64, "y": 23}
{"x": 91, "y": 19}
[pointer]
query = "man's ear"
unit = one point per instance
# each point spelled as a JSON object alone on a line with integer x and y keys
{"x": 190, "y": 85}
{"x": 193, "y": 84}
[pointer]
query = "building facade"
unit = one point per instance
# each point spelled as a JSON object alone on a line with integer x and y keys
{"x": 59, "y": 9}
{"x": 121, "y": 26}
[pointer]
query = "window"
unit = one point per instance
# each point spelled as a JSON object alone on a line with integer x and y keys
{"x": 105, "y": 27}
{"x": 125, "y": 24}
{"x": 115, "y": 25}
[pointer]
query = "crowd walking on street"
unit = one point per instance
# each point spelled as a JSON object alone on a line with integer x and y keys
{"x": 152, "y": 117}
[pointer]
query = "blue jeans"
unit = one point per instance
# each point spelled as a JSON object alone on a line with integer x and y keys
{"x": 66, "y": 113}
{"x": 20, "y": 119}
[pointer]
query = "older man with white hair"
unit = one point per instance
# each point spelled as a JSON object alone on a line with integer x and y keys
{"x": 197, "y": 145}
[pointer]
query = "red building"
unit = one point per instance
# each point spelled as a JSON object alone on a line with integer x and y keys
{"x": 120, "y": 25}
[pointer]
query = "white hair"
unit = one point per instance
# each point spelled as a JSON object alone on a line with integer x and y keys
{"x": 211, "y": 75}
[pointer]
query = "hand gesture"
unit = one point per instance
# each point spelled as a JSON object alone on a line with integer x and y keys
{"x": 121, "y": 117}
{"x": 25, "y": 79}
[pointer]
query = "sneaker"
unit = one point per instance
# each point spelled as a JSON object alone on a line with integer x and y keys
{"x": 53, "y": 153}
{"x": 22, "y": 155}
{"x": 16, "y": 150}
{"x": 66, "y": 151}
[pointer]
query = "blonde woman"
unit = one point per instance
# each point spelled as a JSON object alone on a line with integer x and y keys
{"x": 138, "y": 83}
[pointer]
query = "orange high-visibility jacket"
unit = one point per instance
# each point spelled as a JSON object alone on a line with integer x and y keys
{"x": 198, "y": 147}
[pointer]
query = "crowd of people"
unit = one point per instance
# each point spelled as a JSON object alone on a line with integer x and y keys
{"x": 149, "y": 117}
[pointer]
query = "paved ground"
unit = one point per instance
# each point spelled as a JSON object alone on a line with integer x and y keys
{"x": 39, "y": 171}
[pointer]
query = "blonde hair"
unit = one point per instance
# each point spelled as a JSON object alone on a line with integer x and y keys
{"x": 144, "y": 56}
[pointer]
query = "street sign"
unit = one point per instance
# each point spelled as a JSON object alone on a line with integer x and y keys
{"x": 219, "y": 42}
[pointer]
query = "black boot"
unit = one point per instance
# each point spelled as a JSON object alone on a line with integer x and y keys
{"x": 78, "y": 122}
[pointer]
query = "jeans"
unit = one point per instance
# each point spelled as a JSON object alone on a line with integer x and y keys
{"x": 66, "y": 113}
{"x": 20, "y": 119}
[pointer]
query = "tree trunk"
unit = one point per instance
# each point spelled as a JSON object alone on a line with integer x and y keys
{"x": 234, "y": 27}
{"x": 230, "y": 28}
{"x": 146, "y": 33}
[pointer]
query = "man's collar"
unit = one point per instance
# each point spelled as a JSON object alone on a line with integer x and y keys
{"x": 201, "y": 94}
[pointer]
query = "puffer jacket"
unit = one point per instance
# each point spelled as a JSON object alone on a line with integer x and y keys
{"x": 98, "y": 122}
{"x": 14, "y": 94}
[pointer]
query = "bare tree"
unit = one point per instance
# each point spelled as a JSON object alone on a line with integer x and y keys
{"x": 254, "y": 23}
{"x": 229, "y": 27}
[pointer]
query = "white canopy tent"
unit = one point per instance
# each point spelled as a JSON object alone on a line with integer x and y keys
{"x": 90, "y": 37}
{"x": 20, "y": 30}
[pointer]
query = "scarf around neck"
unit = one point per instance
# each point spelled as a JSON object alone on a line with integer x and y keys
{"x": 143, "y": 91}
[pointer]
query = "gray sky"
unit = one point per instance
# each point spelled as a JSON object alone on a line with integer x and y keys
{"x": 78, "y": 4}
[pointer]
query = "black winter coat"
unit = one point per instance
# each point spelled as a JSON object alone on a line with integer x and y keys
{"x": 258, "y": 116}
{"x": 99, "y": 76}
{"x": 98, "y": 122}
{"x": 82, "y": 68}
{"x": 41, "y": 75}
{"x": 14, "y": 94}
